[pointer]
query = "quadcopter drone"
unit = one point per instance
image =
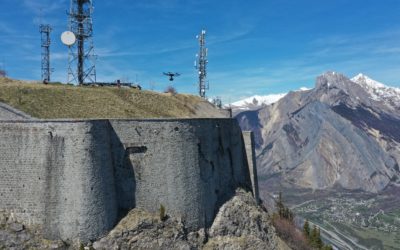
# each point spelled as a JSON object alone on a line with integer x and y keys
{"x": 171, "y": 75}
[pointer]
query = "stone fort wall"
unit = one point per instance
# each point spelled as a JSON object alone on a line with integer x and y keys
{"x": 77, "y": 178}
{"x": 9, "y": 113}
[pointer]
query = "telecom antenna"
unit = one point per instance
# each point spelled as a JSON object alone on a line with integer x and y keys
{"x": 45, "y": 31}
{"x": 201, "y": 63}
{"x": 79, "y": 39}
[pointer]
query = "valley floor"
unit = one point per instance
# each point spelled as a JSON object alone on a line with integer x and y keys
{"x": 347, "y": 219}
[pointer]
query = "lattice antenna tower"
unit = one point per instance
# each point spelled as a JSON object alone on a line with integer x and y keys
{"x": 81, "y": 59}
{"x": 201, "y": 64}
{"x": 45, "y": 31}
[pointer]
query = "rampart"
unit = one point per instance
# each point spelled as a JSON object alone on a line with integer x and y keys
{"x": 9, "y": 113}
{"x": 77, "y": 178}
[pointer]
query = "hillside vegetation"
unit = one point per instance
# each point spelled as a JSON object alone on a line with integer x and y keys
{"x": 56, "y": 101}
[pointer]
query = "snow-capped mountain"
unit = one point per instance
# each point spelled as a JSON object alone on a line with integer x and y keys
{"x": 257, "y": 101}
{"x": 343, "y": 133}
{"x": 379, "y": 91}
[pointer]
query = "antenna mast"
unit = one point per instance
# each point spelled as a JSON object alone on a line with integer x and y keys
{"x": 201, "y": 64}
{"x": 81, "y": 58}
{"x": 45, "y": 31}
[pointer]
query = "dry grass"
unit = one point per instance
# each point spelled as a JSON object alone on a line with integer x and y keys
{"x": 63, "y": 101}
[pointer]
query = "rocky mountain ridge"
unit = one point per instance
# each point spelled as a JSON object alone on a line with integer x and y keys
{"x": 378, "y": 91}
{"x": 341, "y": 133}
{"x": 257, "y": 101}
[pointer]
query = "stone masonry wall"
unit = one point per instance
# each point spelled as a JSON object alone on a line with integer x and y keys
{"x": 9, "y": 113}
{"x": 189, "y": 166}
{"x": 249, "y": 143}
{"x": 74, "y": 177}
{"x": 57, "y": 174}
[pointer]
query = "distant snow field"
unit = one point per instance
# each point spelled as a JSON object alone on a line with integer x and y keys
{"x": 259, "y": 100}
{"x": 377, "y": 90}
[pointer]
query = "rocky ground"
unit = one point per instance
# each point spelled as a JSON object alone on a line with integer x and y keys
{"x": 239, "y": 224}
{"x": 15, "y": 236}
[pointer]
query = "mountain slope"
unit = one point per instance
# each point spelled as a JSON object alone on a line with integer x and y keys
{"x": 337, "y": 134}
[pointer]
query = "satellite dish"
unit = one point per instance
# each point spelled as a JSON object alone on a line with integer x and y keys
{"x": 68, "y": 38}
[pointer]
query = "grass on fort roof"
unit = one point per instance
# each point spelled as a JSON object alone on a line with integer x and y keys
{"x": 56, "y": 101}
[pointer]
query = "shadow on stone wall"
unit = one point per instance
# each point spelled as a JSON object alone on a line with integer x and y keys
{"x": 54, "y": 173}
{"x": 124, "y": 175}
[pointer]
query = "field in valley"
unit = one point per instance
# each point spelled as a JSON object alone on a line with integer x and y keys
{"x": 348, "y": 219}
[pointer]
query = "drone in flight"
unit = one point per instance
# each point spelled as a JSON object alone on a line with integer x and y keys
{"x": 171, "y": 75}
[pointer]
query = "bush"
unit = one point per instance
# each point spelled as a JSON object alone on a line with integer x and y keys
{"x": 162, "y": 213}
{"x": 290, "y": 234}
{"x": 306, "y": 229}
{"x": 217, "y": 102}
{"x": 170, "y": 89}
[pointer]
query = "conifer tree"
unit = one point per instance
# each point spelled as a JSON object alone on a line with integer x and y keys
{"x": 283, "y": 211}
{"x": 327, "y": 247}
{"x": 318, "y": 240}
{"x": 313, "y": 236}
{"x": 280, "y": 206}
{"x": 306, "y": 229}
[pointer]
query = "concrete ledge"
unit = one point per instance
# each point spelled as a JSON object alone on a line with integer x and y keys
{"x": 9, "y": 113}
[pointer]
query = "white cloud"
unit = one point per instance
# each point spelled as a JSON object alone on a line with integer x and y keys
{"x": 43, "y": 11}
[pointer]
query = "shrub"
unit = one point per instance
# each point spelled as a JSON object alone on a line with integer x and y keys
{"x": 306, "y": 229}
{"x": 170, "y": 89}
{"x": 162, "y": 213}
{"x": 290, "y": 234}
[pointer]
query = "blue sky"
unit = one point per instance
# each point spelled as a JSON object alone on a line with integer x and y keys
{"x": 255, "y": 47}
